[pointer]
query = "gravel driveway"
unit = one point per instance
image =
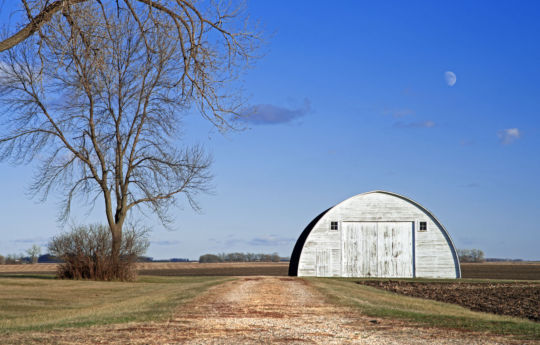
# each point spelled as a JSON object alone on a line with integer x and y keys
{"x": 261, "y": 310}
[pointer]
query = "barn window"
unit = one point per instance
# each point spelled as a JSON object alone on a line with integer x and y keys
{"x": 423, "y": 226}
{"x": 333, "y": 225}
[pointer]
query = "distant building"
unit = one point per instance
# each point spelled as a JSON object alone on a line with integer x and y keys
{"x": 375, "y": 234}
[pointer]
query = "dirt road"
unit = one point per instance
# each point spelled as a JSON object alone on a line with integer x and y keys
{"x": 260, "y": 310}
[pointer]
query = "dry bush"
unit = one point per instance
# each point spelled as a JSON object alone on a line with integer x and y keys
{"x": 86, "y": 253}
{"x": 209, "y": 258}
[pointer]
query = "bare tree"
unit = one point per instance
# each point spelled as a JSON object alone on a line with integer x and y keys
{"x": 471, "y": 255}
{"x": 34, "y": 253}
{"x": 94, "y": 90}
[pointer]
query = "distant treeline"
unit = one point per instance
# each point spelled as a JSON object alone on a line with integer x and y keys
{"x": 14, "y": 259}
{"x": 239, "y": 257}
{"x": 150, "y": 259}
{"x": 471, "y": 255}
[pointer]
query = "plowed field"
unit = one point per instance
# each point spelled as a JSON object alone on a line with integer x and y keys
{"x": 514, "y": 271}
{"x": 496, "y": 270}
{"x": 513, "y": 299}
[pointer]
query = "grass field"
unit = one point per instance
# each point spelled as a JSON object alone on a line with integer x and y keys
{"x": 379, "y": 303}
{"x": 41, "y": 303}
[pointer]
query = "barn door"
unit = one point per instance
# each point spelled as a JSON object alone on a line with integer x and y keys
{"x": 328, "y": 262}
{"x": 377, "y": 249}
{"x": 323, "y": 263}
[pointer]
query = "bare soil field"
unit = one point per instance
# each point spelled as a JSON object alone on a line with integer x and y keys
{"x": 496, "y": 270}
{"x": 512, "y": 271}
{"x": 260, "y": 310}
{"x": 513, "y": 299}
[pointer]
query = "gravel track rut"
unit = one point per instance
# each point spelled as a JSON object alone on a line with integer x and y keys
{"x": 261, "y": 310}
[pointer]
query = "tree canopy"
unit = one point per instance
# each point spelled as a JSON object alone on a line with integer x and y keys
{"x": 95, "y": 91}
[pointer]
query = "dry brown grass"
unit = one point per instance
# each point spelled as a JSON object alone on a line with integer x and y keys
{"x": 259, "y": 310}
{"x": 215, "y": 269}
{"x": 41, "y": 268}
{"x": 196, "y": 265}
{"x": 38, "y": 304}
{"x": 176, "y": 268}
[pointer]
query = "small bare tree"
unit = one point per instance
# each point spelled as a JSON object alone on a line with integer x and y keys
{"x": 471, "y": 255}
{"x": 34, "y": 253}
{"x": 95, "y": 93}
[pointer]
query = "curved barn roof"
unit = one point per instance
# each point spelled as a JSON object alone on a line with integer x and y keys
{"x": 297, "y": 251}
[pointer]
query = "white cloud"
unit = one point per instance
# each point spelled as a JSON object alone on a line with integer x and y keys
{"x": 508, "y": 136}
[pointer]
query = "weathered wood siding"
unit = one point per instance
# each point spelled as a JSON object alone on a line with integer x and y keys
{"x": 378, "y": 235}
{"x": 377, "y": 249}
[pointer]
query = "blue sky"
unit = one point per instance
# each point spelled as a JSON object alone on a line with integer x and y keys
{"x": 352, "y": 97}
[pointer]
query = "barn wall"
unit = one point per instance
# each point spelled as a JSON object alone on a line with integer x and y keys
{"x": 432, "y": 249}
{"x": 377, "y": 249}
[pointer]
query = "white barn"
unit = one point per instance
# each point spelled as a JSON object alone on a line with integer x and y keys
{"x": 375, "y": 234}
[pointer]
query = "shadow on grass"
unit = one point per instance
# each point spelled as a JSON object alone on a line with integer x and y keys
{"x": 27, "y": 276}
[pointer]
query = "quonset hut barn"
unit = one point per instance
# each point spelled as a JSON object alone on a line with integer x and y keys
{"x": 375, "y": 234}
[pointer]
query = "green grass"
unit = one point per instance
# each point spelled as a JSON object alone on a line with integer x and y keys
{"x": 379, "y": 303}
{"x": 41, "y": 303}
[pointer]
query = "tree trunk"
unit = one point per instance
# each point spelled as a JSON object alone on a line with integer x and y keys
{"x": 116, "y": 222}
{"x": 116, "y": 232}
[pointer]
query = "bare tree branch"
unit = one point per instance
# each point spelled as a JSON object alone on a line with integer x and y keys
{"x": 35, "y": 23}
{"x": 95, "y": 90}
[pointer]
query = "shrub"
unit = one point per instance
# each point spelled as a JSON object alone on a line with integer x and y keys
{"x": 209, "y": 258}
{"x": 86, "y": 253}
{"x": 2, "y": 260}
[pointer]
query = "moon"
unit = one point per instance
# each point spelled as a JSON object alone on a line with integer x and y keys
{"x": 450, "y": 78}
